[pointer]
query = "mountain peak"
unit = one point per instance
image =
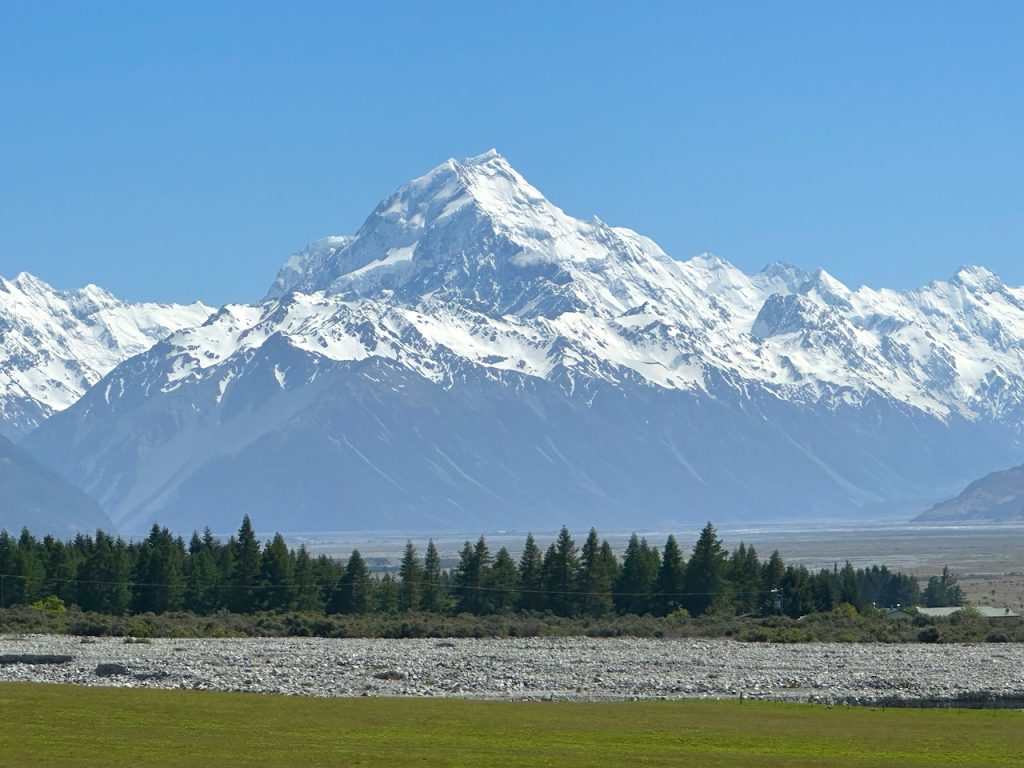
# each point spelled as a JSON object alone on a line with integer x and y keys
{"x": 708, "y": 260}
{"x": 490, "y": 156}
{"x": 476, "y": 231}
{"x": 785, "y": 274}
{"x": 977, "y": 278}
{"x": 27, "y": 282}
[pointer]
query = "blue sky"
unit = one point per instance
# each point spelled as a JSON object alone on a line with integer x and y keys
{"x": 174, "y": 151}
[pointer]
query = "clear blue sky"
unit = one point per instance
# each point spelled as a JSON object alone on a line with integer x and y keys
{"x": 181, "y": 150}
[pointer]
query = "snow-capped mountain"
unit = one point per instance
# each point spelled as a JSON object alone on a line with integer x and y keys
{"x": 55, "y": 344}
{"x": 475, "y": 357}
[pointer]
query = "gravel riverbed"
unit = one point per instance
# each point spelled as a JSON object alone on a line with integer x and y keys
{"x": 539, "y": 668}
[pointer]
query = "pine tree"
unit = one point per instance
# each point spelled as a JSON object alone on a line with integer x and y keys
{"x": 849, "y": 587}
{"x": 410, "y": 575}
{"x": 202, "y": 578}
{"x": 7, "y": 569}
{"x": 245, "y": 575}
{"x": 705, "y": 573}
{"x": 744, "y": 575}
{"x": 636, "y": 589}
{"x": 385, "y": 594}
{"x": 103, "y": 577}
{"x": 671, "y": 578}
{"x": 61, "y": 563}
{"x": 307, "y": 591}
{"x": 470, "y": 578}
{"x": 29, "y": 568}
{"x": 503, "y": 582}
{"x": 159, "y": 573}
{"x": 797, "y": 594}
{"x": 825, "y": 590}
{"x": 352, "y": 594}
{"x": 531, "y": 585}
{"x": 432, "y": 594}
{"x": 561, "y": 574}
{"x": 772, "y": 574}
{"x": 597, "y": 576}
{"x": 277, "y": 572}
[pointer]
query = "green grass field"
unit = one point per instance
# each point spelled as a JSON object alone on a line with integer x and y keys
{"x": 45, "y": 725}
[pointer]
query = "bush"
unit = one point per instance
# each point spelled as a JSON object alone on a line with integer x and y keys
{"x": 928, "y": 635}
{"x": 50, "y": 603}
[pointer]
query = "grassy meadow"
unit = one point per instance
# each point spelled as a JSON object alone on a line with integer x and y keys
{"x": 47, "y": 725}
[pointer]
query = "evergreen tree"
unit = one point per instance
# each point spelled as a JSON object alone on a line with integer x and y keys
{"x": 636, "y": 589}
{"x": 531, "y": 573}
{"x": 7, "y": 568}
{"x": 504, "y": 583}
{"x": 744, "y": 576}
{"x": 470, "y": 579}
{"x": 277, "y": 572}
{"x": 881, "y": 587}
{"x": 327, "y": 575}
{"x": 671, "y": 578}
{"x": 103, "y": 578}
{"x": 307, "y": 591}
{"x": 352, "y": 594}
{"x": 386, "y": 594}
{"x": 61, "y": 563}
{"x": 772, "y": 573}
{"x": 598, "y": 571}
{"x": 849, "y": 587}
{"x": 411, "y": 577}
{"x": 245, "y": 575}
{"x": 30, "y": 570}
{"x": 825, "y": 590}
{"x": 159, "y": 579}
{"x": 797, "y": 592}
{"x": 943, "y": 591}
{"x": 705, "y": 573}
{"x": 561, "y": 573}
{"x": 432, "y": 594}
{"x": 202, "y": 578}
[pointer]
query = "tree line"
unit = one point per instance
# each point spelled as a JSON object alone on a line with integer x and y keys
{"x": 163, "y": 572}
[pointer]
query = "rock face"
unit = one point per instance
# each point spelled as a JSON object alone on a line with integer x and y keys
{"x": 997, "y": 497}
{"x": 475, "y": 358}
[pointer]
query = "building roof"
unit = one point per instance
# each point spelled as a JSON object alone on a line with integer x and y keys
{"x": 987, "y": 611}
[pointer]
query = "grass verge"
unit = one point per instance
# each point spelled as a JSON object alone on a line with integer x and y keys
{"x": 48, "y": 725}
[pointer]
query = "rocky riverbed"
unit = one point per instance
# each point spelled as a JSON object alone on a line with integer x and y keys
{"x": 524, "y": 669}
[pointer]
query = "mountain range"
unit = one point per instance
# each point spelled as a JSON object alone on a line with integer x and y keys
{"x": 54, "y": 345}
{"x": 475, "y": 358}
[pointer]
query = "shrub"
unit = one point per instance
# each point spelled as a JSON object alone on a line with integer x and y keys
{"x": 928, "y": 635}
{"x": 51, "y": 603}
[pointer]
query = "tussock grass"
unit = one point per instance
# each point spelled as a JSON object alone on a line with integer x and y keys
{"x": 47, "y": 725}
